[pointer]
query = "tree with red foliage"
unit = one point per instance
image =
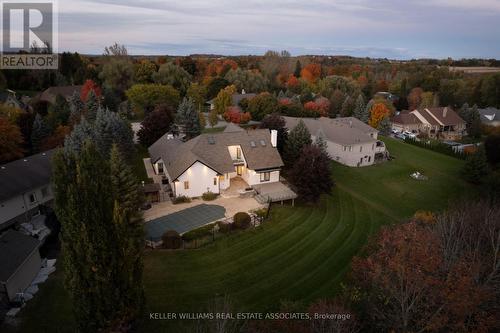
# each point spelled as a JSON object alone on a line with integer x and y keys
{"x": 434, "y": 274}
{"x": 11, "y": 141}
{"x": 313, "y": 161}
{"x": 311, "y": 73}
{"x": 88, "y": 86}
{"x": 234, "y": 115}
{"x": 155, "y": 125}
{"x": 415, "y": 98}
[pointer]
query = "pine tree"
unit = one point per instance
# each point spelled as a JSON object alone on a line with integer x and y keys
{"x": 321, "y": 144}
{"x": 81, "y": 133}
{"x": 188, "y": 118}
{"x": 360, "y": 110}
{"x": 76, "y": 107}
{"x": 91, "y": 259}
{"x": 476, "y": 167}
{"x": 91, "y": 107}
{"x": 298, "y": 69}
{"x": 385, "y": 126}
{"x": 109, "y": 128}
{"x": 127, "y": 218}
{"x": 298, "y": 138}
{"x": 39, "y": 133}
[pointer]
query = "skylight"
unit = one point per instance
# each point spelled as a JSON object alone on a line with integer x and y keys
{"x": 252, "y": 144}
{"x": 263, "y": 143}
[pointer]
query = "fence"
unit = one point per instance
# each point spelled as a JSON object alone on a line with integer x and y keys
{"x": 207, "y": 239}
{"x": 438, "y": 147}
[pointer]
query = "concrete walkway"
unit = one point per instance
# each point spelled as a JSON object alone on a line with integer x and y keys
{"x": 232, "y": 206}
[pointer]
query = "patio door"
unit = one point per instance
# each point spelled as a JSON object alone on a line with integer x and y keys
{"x": 239, "y": 170}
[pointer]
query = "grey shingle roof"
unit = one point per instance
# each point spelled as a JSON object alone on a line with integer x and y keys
{"x": 489, "y": 115}
{"x": 212, "y": 150}
{"x": 22, "y": 175}
{"x": 50, "y": 94}
{"x": 15, "y": 248}
{"x": 344, "y": 131}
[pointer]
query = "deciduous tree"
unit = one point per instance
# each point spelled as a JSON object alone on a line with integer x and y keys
{"x": 155, "y": 125}
{"x": 11, "y": 141}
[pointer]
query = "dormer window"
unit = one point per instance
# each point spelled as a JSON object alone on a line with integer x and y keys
{"x": 238, "y": 153}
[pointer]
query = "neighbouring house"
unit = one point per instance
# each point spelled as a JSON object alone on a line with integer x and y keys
{"x": 439, "y": 123}
{"x": 49, "y": 95}
{"x": 25, "y": 188}
{"x": 236, "y": 99}
{"x": 8, "y": 97}
{"x": 387, "y": 95}
{"x": 20, "y": 262}
{"x": 490, "y": 116}
{"x": 210, "y": 162}
{"x": 349, "y": 140}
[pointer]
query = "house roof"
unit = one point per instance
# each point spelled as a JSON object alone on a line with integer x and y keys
{"x": 212, "y": 150}
{"x": 233, "y": 128}
{"x": 15, "y": 248}
{"x": 442, "y": 116}
{"x": 405, "y": 118}
{"x": 50, "y": 94}
{"x": 22, "y": 175}
{"x": 345, "y": 131}
{"x": 489, "y": 115}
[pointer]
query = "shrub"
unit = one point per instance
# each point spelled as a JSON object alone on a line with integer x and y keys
{"x": 200, "y": 232}
{"x": 180, "y": 199}
{"x": 224, "y": 227}
{"x": 261, "y": 212}
{"x": 241, "y": 220}
{"x": 209, "y": 196}
{"x": 171, "y": 240}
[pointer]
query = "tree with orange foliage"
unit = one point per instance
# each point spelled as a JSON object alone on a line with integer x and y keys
{"x": 220, "y": 67}
{"x": 11, "y": 141}
{"x": 311, "y": 73}
{"x": 378, "y": 112}
{"x": 234, "y": 115}
{"x": 88, "y": 86}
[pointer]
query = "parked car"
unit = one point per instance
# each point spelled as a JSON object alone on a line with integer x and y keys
{"x": 409, "y": 135}
{"x": 401, "y": 136}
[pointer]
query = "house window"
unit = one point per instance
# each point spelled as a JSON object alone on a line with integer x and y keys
{"x": 345, "y": 148}
{"x": 350, "y": 148}
{"x": 238, "y": 153}
{"x": 32, "y": 198}
{"x": 215, "y": 181}
{"x": 160, "y": 167}
{"x": 360, "y": 149}
{"x": 45, "y": 192}
{"x": 186, "y": 185}
{"x": 369, "y": 158}
{"x": 265, "y": 176}
{"x": 373, "y": 146}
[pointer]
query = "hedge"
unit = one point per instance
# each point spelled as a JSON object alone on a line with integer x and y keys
{"x": 436, "y": 146}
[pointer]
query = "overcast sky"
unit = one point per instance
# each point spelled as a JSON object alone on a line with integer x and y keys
{"x": 399, "y": 29}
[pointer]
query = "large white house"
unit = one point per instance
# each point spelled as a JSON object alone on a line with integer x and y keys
{"x": 208, "y": 162}
{"x": 25, "y": 188}
{"x": 349, "y": 140}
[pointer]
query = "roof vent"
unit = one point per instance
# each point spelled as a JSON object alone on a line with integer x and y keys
{"x": 262, "y": 143}
{"x": 211, "y": 140}
{"x": 3, "y": 168}
{"x": 25, "y": 160}
{"x": 252, "y": 144}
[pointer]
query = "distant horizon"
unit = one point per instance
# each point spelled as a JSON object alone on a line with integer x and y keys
{"x": 425, "y": 29}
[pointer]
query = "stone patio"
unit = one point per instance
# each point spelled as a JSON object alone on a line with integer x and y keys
{"x": 232, "y": 206}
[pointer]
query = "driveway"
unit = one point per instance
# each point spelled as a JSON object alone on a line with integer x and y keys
{"x": 184, "y": 220}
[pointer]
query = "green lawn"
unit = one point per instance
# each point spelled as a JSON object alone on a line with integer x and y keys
{"x": 301, "y": 254}
{"x": 138, "y": 163}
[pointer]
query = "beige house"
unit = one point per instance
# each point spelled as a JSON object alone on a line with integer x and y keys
{"x": 438, "y": 123}
{"x": 349, "y": 140}
{"x": 209, "y": 162}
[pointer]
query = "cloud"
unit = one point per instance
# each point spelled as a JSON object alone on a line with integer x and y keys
{"x": 383, "y": 28}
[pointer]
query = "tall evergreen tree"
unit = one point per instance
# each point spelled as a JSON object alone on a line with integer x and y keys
{"x": 360, "y": 110}
{"x": 39, "y": 132}
{"x": 385, "y": 126}
{"x": 298, "y": 69}
{"x": 76, "y": 107}
{"x": 298, "y": 138}
{"x": 91, "y": 259}
{"x": 321, "y": 144}
{"x": 127, "y": 199}
{"x": 476, "y": 167}
{"x": 91, "y": 106}
{"x": 187, "y": 118}
{"x": 109, "y": 128}
{"x": 81, "y": 133}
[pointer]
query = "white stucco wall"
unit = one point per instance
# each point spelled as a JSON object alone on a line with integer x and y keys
{"x": 253, "y": 177}
{"x": 200, "y": 178}
{"x": 20, "y": 204}
{"x": 364, "y": 154}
